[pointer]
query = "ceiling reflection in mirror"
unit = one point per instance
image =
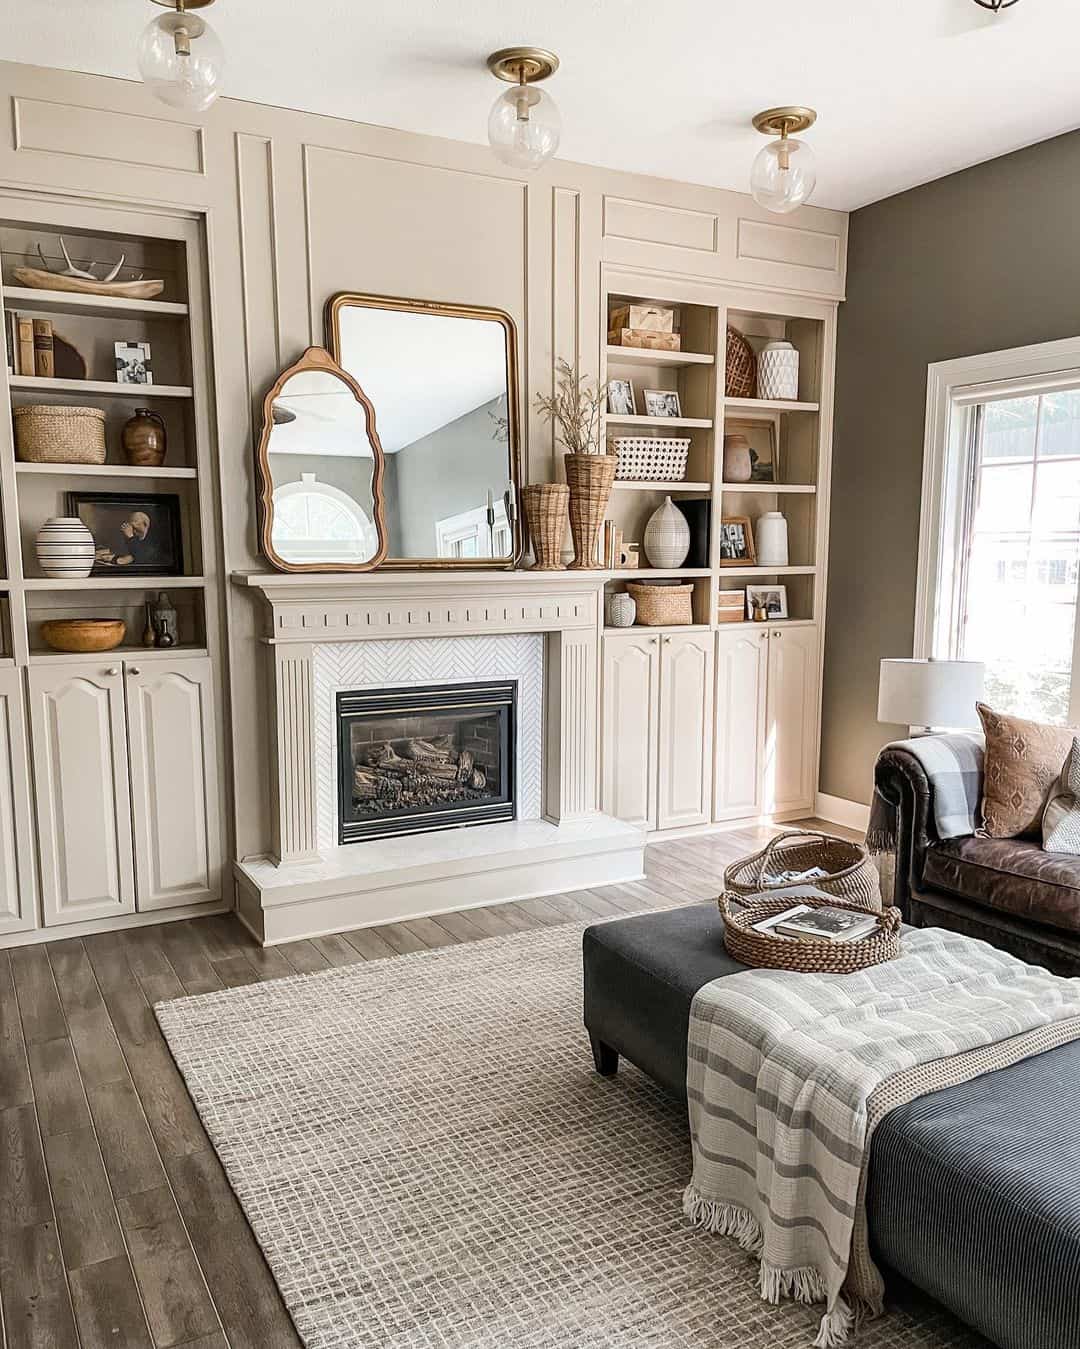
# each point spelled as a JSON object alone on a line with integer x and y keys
{"x": 442, "y": 382}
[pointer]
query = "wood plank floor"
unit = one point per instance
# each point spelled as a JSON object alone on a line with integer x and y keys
{"x": 117, "y": 1225}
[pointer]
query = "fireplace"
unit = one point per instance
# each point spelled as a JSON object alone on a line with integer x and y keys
{"x": 416, "y": 759}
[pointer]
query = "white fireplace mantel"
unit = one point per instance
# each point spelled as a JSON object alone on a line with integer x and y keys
{"x": 304, "y": 610}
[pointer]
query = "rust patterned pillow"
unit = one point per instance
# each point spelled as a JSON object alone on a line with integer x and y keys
{"x": 1023, "y": 762}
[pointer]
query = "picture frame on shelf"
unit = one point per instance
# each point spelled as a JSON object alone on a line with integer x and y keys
{"x": 620, "y": 398}
{"x": 135, "y": 533}
{"x": 764, "y": 604}
{"x": 764, "y": 447}
{"x": 737, "y": 542}
{"x": 662, "y": 403}
{"x": 133, "y": 363}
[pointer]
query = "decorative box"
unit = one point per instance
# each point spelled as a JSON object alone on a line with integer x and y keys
{"x": 646, "y": 318}
{"x": 634, "y": 337}
{"x": 731, "y": 606}
{"x": 651, "y": 458}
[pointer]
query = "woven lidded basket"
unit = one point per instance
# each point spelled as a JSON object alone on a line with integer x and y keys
{"x": 651, "y": 458}
{"x": 50, "y": 433}
{"x": 805, "y": 955}
{"x": 740, "y": 366}
{"x": 660, "y": 606}
{"x": 843, "y": 870}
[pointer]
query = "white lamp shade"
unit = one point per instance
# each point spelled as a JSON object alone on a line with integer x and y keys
{"x": 931, "y": 693}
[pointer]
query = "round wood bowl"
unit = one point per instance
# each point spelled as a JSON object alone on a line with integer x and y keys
{"x": 83, "y": 634}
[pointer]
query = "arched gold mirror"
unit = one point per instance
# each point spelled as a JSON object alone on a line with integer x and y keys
{"x": 320, "y": 470}
{"x": 443, "y": 380}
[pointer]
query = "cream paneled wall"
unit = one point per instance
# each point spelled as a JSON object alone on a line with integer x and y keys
{"x": 297, "y": 207}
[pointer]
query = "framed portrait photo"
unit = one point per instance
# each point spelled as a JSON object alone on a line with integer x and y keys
{"x": 662, "y": 403}
{"x": 765, "y": 603}
{"x": 620, "y": 398}
{"x": 134, "y": 532}
{"x": 737, "y": 542}
{"x": 133, "y": 363}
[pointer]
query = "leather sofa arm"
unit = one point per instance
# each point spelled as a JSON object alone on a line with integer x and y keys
{"x": 901, "y": 780}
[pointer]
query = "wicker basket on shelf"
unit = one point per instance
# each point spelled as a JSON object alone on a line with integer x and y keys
{"x": 651, "y": 458}
{"x": 662, "y": 606}
{"x": 50, "y": 433}
{"x": 805, "y": 955}
{"x": 843, "y": 870}
{"x": 740, "y": 366}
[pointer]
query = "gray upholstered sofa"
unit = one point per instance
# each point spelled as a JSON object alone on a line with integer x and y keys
{"x": 1005, "y": 891}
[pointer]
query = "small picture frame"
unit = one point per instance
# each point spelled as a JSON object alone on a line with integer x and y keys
{"x": 762, "y": 435}
{"x": 133, "y": 363}
{"x": 764, "y": 604}
{"x": 662, "y": 403}
{"x": 737, "y": 542}
{"x": 135, "y": 533}
{"x": 620, "y": 398}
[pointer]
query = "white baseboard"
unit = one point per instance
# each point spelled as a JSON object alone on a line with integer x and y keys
{"x": 838, "y": 810}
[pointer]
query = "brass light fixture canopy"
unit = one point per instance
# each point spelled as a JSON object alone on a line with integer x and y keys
{"x": 183, "y": 5}
{"x": 516, "y": 65}
{"x": 784, "y": 121}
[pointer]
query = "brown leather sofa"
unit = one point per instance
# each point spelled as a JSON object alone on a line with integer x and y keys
{"x": 1004, "y": 891}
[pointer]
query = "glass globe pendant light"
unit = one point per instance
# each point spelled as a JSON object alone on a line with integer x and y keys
{"x": 524, "y": 124}
{"x": 784, "y": 173}
{"x": 181, "y": 57}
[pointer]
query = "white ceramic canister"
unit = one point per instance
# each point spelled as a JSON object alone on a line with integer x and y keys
{"x": 778, "y": 371}
{"x": 667, "y": 536}
{"x": 771, "y": 536}
{"x": 621, "y": 610}
{"x": 65, "y": 548}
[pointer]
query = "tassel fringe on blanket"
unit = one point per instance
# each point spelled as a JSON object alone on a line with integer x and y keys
{"x": 801, "y": 1285}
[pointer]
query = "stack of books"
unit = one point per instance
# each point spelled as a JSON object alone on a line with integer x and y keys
{"x": 29, "y": 343}
{"x": 807, "y": 923}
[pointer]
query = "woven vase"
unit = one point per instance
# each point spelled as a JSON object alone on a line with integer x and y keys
{"x": 545, "y": 515}
{"x": 589, "y": 477}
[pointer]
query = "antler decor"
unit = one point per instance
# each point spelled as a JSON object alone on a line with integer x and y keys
{"x": 83, "y": 281}
{"x": 72, "y": 270}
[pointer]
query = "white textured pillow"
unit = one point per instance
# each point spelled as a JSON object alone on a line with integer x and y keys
{"x": 1061, "y": 818}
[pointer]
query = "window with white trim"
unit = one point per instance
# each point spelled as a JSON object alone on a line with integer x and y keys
{"x": 1000, "y": 547}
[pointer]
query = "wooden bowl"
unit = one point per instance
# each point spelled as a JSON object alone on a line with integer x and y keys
{"x": 83, "y": 634}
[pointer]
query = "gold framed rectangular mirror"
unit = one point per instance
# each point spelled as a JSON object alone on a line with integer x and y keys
{"x": 443, "y": 381}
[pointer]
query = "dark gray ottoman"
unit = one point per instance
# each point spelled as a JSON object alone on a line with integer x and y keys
{"x": 974, "y": 1192}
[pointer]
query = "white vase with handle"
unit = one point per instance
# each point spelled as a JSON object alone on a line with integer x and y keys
{"x": 65, "y": 548}
{"x": 667, "y": 536}
{"x": 778, "y": 371}
{"x": 772, "y": 540}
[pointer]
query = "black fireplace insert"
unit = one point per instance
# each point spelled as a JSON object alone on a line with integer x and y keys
{"x": 416, "y": 759}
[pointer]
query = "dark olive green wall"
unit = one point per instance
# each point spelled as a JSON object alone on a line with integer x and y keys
{"x": 976, "y": 262}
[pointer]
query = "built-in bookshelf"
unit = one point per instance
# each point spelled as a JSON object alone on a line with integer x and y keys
{"x": 174, "y": 325}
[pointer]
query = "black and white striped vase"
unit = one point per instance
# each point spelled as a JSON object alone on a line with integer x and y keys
{"x": 65, "y": 548}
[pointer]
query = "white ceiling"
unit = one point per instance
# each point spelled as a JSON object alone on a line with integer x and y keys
{"x": 907, "y": 90}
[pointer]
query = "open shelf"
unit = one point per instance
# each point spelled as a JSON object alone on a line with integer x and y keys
{"x": 702, "y": 423}
{"x": 127, "y": 651}
{"x": 106, "y": 471}
{"x": 92, "y": 306}
{"x": 37, "y": 384}
{"x": 766, "y": 571}
{"x": 675, "y": 360}
{"x": 660, "y": 486}
{"x": 745, "y": 624}
{"x": 768, "y": 406}
{"x": 662, "y": 629}
{"x": 656, "y": 573}
{"x": 113, "y": 582}
{"x": 778, "y": 487}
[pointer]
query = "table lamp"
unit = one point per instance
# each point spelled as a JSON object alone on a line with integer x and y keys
{"x": 929, "y": 694}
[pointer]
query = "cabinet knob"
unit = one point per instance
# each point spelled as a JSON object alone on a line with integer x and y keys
{"x": 763, "y": 636}
{"x": 776, "y": 633}
{"x": 134, "y": 669}
{"x": 113, "y": 670}
{"x": 666, "y": 640}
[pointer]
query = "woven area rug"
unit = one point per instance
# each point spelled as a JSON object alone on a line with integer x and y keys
{"x": 427, "y": 1159}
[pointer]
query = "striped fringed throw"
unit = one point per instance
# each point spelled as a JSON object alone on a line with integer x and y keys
{"x": 953, "y": 765}
{"x": 788, "y": 1075}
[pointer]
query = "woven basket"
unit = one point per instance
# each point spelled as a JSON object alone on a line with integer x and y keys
{"x": 589, "y": 477}
{"x": 545, "y": 515}
{"x": 740, "y": 369}
{"x": 651, "y": 458}
{"x": 661, "y": 606}
{"x": 771, "y": 951}
{"x": 48, "y": 433}
{"x": 850, "y": 874}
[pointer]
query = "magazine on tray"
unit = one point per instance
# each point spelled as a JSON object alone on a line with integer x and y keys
{"x": 828, "y": 924}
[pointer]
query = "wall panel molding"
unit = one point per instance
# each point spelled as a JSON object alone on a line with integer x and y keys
{"x": 100, "y": 133}
{"x": 669, "y": 226}
{"x": 764, "y": 242}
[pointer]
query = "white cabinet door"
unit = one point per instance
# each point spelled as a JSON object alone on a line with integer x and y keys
{"x": 742, "y": 668}
{"x": 176, "y": 815}
{"x": 631, "y": 698}
{"x": 790, "y": 767}
{"x": 81, "y": 790}
{"x": 686, "y": 715}
{"x": 18, "y": 880}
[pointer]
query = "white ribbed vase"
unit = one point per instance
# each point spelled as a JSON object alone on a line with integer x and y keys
{"x": 65, "y": 548}
{"x": 771, "y": 537}
{"x": 667, "y": 536}
{"x": 778, "y": 371}
{"x": 621, "y": 610}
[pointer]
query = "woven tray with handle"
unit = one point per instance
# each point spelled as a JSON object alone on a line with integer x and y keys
{"x": 805, "y": 955}
{"x": 847, "y": 871}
